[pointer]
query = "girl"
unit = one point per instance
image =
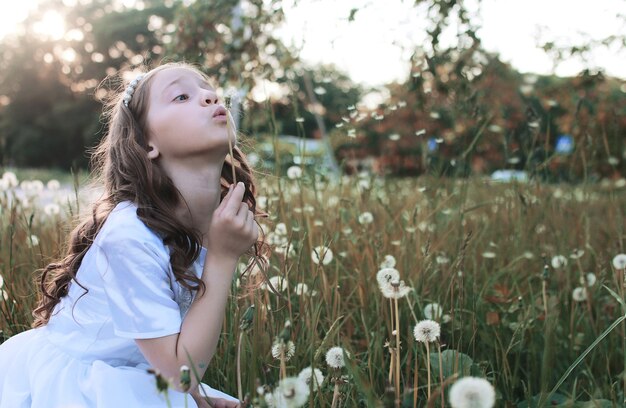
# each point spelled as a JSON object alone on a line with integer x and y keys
{"x": 147, "y": 275}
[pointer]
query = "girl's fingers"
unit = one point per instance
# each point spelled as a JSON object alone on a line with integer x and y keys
{"x": 232, "y": 206}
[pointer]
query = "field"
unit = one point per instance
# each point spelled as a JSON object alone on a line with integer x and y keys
{"x": 525, "y": 281}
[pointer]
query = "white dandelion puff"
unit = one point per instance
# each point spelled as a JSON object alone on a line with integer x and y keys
{"x": 294, "y": 172}
{"x": 334, "y": 357}
{"x": 387, "y": 275}
{"x": 590, "y": 279}
{"x": 321, "y": 254}
{"x": 10, "y": 179}
{"x": 53, "y": 185}
{"x": 366, "y": 218}
{"x": 278, "y": 282}
{"x": 489, "y": 255}
{"x": 312, "y": 375}
{"x": 472, "y": 392}
{"x": 388, "y": 262}
{"x": 558, "y": 261}
{"x": 427, "y": 331}
{"x": 433, "y": 311}
{"x": 289, "y": 349}
{"x": 619, "y": 261}
{"x": 579, "y": 294}
{"x": 33, "y": 241}
{"x": 301, "y": 289}
{"x": 52, "y": 209}
{"x": 395, "y": 289}
{"x": 291, "y": 392}
{"x": 281, "y": 229}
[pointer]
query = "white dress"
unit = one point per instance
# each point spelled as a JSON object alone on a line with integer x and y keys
{"x": 86, "y": 356}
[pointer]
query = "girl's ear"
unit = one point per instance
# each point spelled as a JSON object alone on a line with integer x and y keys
{"x": 153, "y": 151}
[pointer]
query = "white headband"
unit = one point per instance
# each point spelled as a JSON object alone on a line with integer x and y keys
{"x": 130, "y": 89}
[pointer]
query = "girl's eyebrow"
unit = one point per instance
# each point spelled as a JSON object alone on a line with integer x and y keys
{"x": 201, "y": 82}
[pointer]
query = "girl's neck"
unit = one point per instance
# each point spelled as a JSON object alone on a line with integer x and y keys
{"x": 200, "y": 190}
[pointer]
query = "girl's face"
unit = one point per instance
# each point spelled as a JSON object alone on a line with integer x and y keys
{"x": 185, "y": 119}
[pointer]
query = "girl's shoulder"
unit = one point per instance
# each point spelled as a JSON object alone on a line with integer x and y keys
{"x": 123, "y": 227}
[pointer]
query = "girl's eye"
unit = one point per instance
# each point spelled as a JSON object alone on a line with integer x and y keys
{"x": 182, "y": 97}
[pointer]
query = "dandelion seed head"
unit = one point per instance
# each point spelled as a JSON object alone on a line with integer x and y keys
{"x": 334, "y": 357}
{"x": 52, "y": 209}
{"x": 433, "y": 311}
{"x": 388, "y": 262}
{"x": 386, "y": 275}
{"x": 395, "y": 289}
{"x": 427, "y": 331}
{"x": 589, "y": 279}
{"x": 619, "y": 261}
{"x": 301, "y": 289}
{"x": 579, "y": 294}
{"x": 558, "y": 261}
{"x": 472, "y": 392}
{"x": 366, "y": 218}
{"x": 313, "y": 375}
{"x": 33, "y": 241}
{"x": 10, "y": 179}
{"x": 294, "y": 172}
{"x": 291, "y": 392}
{"x": 289, "y": 349}
{"x": 53, "y": 185}
{"x": 321, "y": 254}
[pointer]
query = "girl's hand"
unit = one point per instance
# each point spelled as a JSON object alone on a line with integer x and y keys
{"x": 233, "y": 229}
{"x": 215, "y": 402}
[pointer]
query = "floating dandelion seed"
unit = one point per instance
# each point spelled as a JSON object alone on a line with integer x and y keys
{"x": 427, "y": 331}
{"x": 420, "y": 132}
{"x": 289, "y": 349}
{"x": 291, "y": 392}
{"x": 394, "y": 137}
{"x": 433, "y": 311}
{"x": 442, "y": 260}
{"x": 299, "y": 119}
{"x": 366, "y": 218}
{"x": 334, "y": 357}
{"x": 321, "y": 254}
{"x": 472, "y": 392}
{"x": 489, "y": 255}
{"x": 313, "y": 375}
{"x": 619, "y": 261}
{"x": 579, "y": 294}
{"x": 559, "y": 261}
{"x": 294, "y": 172}
{"x": 389, "y": 262}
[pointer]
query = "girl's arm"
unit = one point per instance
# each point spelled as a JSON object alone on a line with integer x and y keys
{"x": 232, "y": 232}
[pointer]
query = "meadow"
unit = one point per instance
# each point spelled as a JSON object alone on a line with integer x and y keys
{"x": 525, "y": 280}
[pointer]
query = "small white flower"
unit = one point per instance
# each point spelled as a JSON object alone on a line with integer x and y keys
{"x": 433, "y": 311}
{"x": 427, "y": 331}
{"x": 389, "y": 262}
{"x": 579, "y": 294}
{"x": 291, "y": 392}
{"x": 334, "y": 357}
{"x": 301, "y": 289}
{"x": 619, "y": 261}
{"x": 366, "y": 218}
{"x": 288, "y": 349}
{"x": 294, "y": 172}
{"x": 472, "y": 392}
{"x": 322, "y": 254}
{"x": 559, "y": 261}
{"x": 309, "y": 374}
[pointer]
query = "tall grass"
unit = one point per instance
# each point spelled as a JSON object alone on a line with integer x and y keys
{"x": 482, "y": 251}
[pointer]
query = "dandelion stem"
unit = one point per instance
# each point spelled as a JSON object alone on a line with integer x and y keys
{"x": 239, "y": 388}
{"x": 335, "y": 395}
{"x": 441, "y": 375}
{"x": 428, "y": 366}
{"x": 415, "y": 379}
{"x": 397, "y": 383}
{"x": 230, "y": 146}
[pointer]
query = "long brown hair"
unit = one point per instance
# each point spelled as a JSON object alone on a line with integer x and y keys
{"x": 121, "y": 165}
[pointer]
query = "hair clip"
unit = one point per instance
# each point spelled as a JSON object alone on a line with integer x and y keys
{"x": 130, "y": 89}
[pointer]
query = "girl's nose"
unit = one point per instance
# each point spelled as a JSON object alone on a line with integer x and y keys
{"x": 209, "y": 98}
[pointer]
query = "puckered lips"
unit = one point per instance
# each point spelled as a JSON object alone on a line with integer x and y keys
{"x": 220, "y": 111}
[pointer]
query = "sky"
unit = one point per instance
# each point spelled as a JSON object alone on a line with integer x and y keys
{"x": 375, "y": 48}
